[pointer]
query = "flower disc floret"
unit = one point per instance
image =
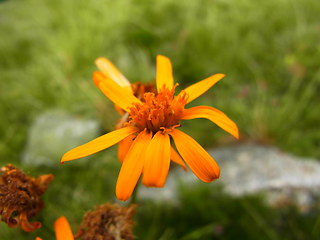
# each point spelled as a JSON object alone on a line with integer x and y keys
{"x": 156, "y": 112}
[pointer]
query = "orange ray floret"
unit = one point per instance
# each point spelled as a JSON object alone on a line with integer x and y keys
{"x": 109, "y": 70}
{"x": 213, "y": 115}
{"x": 62, "y": 229}
{"x": 132, "y": 166}
{"x": 164, "y": 73}
{"x": 99, "y": 143}
{"x": 149, "y": 121}
{"x": 200, "y": 162}
{"x": 201, "y": 87}
{"x": 114, "y": 92}
{"x": 124, "y": 147}
{"x": 157, "y": 160}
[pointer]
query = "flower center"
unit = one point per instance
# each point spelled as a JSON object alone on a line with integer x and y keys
{"x": 156, "y": 112}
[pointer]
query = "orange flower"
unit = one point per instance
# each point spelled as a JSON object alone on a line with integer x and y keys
{"x": 62, "y": 229}
{"x": 152, "y": 121}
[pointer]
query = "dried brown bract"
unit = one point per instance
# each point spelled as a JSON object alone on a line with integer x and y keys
{"x": 20, "y": 197}
{"x": 107, "y": 222}
{"x": 139, "y": 89}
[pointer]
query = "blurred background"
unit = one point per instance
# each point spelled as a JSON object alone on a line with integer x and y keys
{"x": 270, "y": 53}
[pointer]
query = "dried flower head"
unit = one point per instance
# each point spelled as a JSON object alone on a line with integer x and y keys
{"x": 107, "y": 222}
{"x": 20, "y": 197}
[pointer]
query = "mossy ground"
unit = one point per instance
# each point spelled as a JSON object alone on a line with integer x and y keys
{"x": 269, "y": 51}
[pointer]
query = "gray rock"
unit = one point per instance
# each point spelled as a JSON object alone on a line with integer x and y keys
{"x": 249, "y": 169}
{"x": 53, "y": 133}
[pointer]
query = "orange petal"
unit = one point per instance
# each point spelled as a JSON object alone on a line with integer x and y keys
{"x": 199, "y": 161}
{"x": 132, "y": 166}
{"x": 114, "y": 92}
{"x": 111, "y": 71}
{"x": 201, "y": 87}
{"x": 157, "y": 161}
{"x": 214, "y": 115}
{"x": 175, "y": 157}
{"x": 37, "y": 238}
{"x": 62, "y": 229}
{"x": 124, "y": 147}
{"x": 164, "y": 73}
{"x": 99, "y": 143}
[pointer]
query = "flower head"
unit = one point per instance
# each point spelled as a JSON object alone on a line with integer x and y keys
{"x": 20, "y": 197}
{"x": 107, "y": 221}
{"x": 150, "y": 121}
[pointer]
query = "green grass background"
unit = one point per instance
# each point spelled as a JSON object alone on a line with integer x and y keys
{"x": 269, "y": 50}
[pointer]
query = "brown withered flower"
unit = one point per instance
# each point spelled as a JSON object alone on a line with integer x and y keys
{"x": 20, "y": 197}
{"x": 107, "y": 222}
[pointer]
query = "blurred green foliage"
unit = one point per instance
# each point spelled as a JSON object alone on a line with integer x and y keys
{"x": 206, "y": 213}
{"x": 270, "y": 52}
